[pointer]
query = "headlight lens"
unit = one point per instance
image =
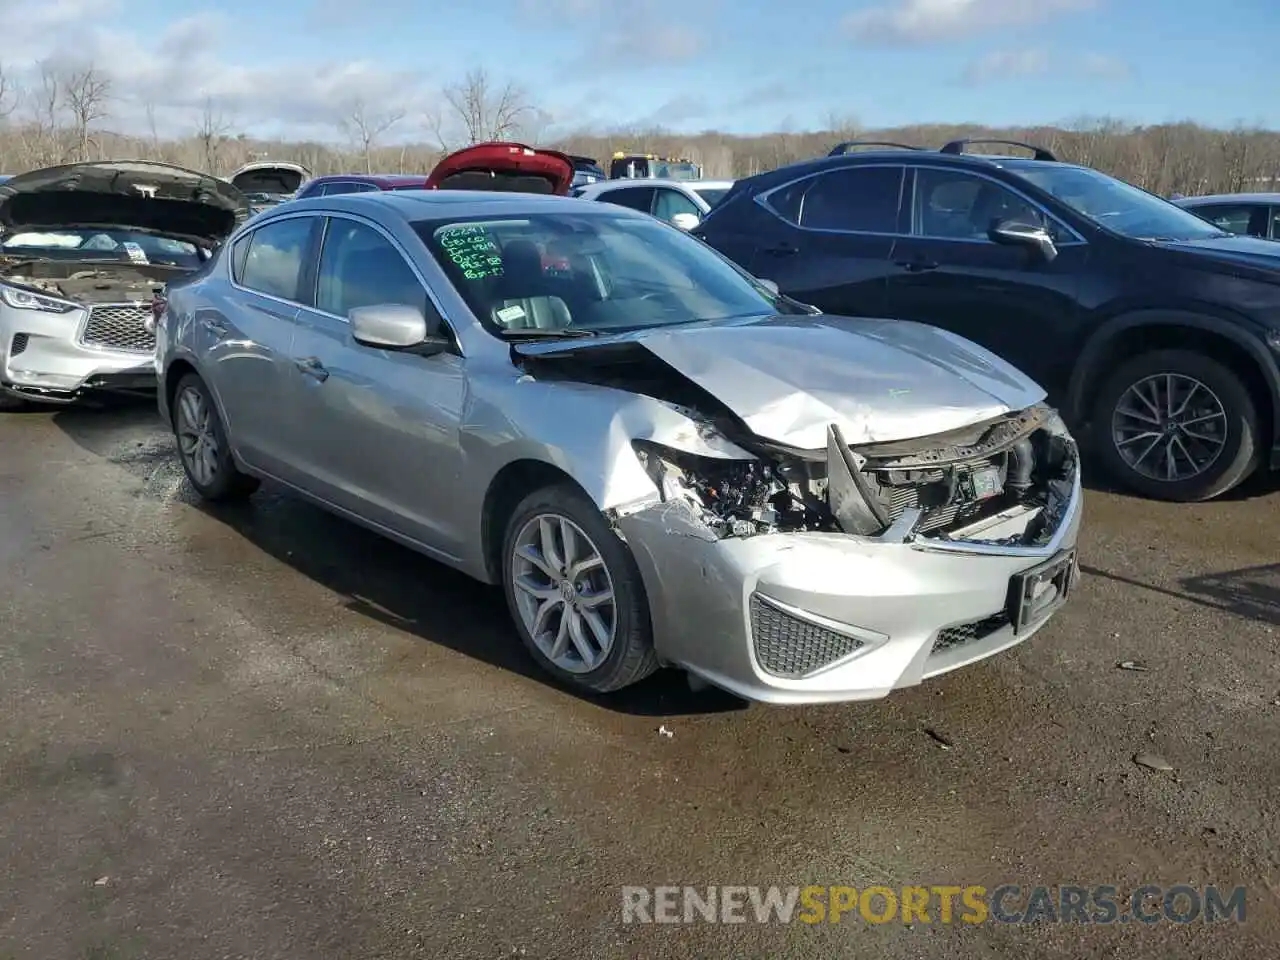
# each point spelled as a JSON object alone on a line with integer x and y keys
{"x": 26, "y": 300}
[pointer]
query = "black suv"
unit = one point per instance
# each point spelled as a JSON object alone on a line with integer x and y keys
{"x": 1156, "y": 333}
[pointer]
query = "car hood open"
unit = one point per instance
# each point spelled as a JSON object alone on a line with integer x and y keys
{"x": 511, "y": 167}
{"x": 125, "y": 194}
{"x": 787, "y": 378}
{"x": 273, "y": 177}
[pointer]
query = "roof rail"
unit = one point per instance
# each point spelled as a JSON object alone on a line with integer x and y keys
{"x": 842, "y": 148}
{"x": 957, "y": 147}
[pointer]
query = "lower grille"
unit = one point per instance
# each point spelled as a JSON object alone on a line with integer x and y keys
{"x": 969, "y": 632}
{"x": 789, "y": 647}
{"x": 18, "y": 344}
{"x": 119, "y": 326}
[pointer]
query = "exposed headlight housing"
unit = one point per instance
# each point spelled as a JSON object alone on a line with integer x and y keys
{"x": 20, "y": 299}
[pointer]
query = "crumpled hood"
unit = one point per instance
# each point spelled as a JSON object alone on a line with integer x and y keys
{"x": 788, "y": 377}
{"x": 139, "y": 195}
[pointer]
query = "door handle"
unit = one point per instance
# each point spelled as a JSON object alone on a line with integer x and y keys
{"x": 213, "y": 326}
{"x": 312, "y": 367}
{"x": 781, "y": 250}
{"x": 916, "y": 266}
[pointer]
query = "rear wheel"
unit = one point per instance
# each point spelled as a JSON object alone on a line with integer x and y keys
{"x": 202, "y": 444}
{"x": 1176, "y": 425}
{"x": 575, "y": 593}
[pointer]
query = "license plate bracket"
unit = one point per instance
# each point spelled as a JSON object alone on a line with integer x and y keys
{"x": 1036, "y": 593}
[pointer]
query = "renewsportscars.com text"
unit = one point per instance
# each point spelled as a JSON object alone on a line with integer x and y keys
{"x": 1008, "y": 903}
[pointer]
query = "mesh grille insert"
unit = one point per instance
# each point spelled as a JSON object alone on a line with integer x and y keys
{"x": 118, "y": 326}
{"x": 787, "y": 646}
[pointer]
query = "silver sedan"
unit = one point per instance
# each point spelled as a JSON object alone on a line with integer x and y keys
{"x": 663, "y": 462}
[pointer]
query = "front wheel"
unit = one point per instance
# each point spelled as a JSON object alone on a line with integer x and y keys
{"x": 202, "y": 444}
{"x": 1176, "y": 425}
{"x": 575, "y": 593}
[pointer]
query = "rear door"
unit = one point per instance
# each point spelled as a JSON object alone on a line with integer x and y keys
{"x": 245, "y": 348}
{"x": 833, "y": 236}
{"x": 950, "y": 274}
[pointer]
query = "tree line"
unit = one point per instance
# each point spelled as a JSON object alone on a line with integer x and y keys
{"x": 65, "y": 114}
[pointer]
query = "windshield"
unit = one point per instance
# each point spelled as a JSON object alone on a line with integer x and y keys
{"x": 712, "y": 195}
{"x": 675, "y": 170}
{"x": 126, "y": 246}
{"x": 1116, "y": 205}
{"x": 574, "y": 274}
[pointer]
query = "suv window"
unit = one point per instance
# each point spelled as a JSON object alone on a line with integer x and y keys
{"x": 273, "y": 263}
{"x": 956, "y": 205}
{"x": 359, "y": 267}
{"x": 636, "y": 198}
{"x": 670, "y": 202}
{"x": 1235, "y": 217}
{"x": 858, "y": 199}
{"x": 1275, "y": 223}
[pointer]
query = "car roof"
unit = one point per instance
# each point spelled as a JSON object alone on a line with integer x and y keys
{"x": 974, "y": 161}
{"x": 414, "y": 205}
{"x": 379, "y": 178}
{"x": 659, "y": 182}
{"x": 1230, "y": 198}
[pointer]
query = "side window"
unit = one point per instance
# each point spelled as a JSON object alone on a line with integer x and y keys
{"x": 1275, "y": 223}
{"x": 273, "y": 262}
{"x": 1234, "y": 218}
{"x": 345, "y": 186}
{"x": 670, "y": 202}
{"x": 954, "y": 205}
{"x": 359, "y": 267}
{"x": 238, "y": 254}
{"x": 636, "y": 198}
{"x": 864, "y": 199}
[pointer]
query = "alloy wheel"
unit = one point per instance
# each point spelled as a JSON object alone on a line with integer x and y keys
{"x": 197, "y": 441}
{"x": 564, "y": 593}
{"x": 1169, "y": 427}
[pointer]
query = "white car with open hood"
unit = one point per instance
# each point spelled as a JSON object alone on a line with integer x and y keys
{"x": 84, "y": 249}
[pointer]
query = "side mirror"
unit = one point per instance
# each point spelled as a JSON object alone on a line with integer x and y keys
{"x": 395, "y": 326}
{"x": 769, "y": 285}
{"x": 685, "y": 221}
{"x": 1014, "y": 233}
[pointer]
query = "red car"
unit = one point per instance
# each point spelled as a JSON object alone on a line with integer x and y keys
{"x": 485, "y": 166}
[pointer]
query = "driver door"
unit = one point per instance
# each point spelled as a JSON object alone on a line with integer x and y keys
{"x": 377, "y": 430}
{"x": 947, "y": 272}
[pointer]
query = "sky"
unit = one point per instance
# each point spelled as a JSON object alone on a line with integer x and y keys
{"x": 295, "y": 67}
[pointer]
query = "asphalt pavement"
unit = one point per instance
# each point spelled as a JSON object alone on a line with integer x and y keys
{"x": 262, "y": 732}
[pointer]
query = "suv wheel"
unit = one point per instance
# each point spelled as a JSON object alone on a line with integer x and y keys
{"x": 1175, "y": 425}
{"x": 202, "y": 444}
{"x": 575, "y": 592}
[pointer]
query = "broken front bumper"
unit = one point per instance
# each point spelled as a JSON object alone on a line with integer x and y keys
{"x": 822, "y": 617}
{"x": 43, "y": 357}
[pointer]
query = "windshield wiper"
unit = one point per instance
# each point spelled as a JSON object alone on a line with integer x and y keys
{"x": 533, "y": 333}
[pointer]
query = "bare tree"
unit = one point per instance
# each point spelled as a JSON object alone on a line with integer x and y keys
{"x": 211, "y": 134}
{"x": 85, "y": 91}
{"x": 484, "y": 111}
{"x": 364, "y": 127}
{"x": 10, "y": 95}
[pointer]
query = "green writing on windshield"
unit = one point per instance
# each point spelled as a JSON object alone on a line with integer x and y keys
{"x": 472, "y": 251}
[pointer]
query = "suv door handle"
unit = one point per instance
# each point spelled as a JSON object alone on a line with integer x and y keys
{"x": 312, "y": 367}
{"x": 916, "y": 266}
{"x": 783, "y": 249}
{"x": 214, "y": 327}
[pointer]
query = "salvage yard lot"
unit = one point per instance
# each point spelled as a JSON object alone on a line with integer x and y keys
{"x": 263, "y": 732}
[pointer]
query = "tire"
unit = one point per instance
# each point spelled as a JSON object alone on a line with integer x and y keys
{"x": 630, "y": 658}
{"x": 11, "y": 404}
{"x": 1236, "y": 458}
{"x": 225, "y": 481}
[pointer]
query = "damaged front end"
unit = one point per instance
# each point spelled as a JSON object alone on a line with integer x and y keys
{"x": 1005, "y": 482}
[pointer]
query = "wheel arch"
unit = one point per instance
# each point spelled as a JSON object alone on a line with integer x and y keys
{"x": 509, "y": 486}
{"x": 1125, "y": 335}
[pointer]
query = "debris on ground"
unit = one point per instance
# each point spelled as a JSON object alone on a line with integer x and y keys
{"x": 664, "y": 732}
{"x": 101, "y": 881}
{"x": 942, "y": 741}
{"x": 1152, "y": 761}
{"x": 1136, "y": 665}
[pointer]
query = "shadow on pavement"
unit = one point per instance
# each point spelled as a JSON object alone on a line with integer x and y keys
{"x": 379, "y": 579}
{"x": 1251, "y": 592}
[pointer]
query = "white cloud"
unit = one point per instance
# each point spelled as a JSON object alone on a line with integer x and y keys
{"x": 933, "y": 21}
{"x": 1103, "y": 66}
{"x": 192, "y": 62}
{"x": 1006, "y": 65}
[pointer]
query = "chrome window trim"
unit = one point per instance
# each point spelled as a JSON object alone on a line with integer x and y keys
{"x": 763, "y": 200}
